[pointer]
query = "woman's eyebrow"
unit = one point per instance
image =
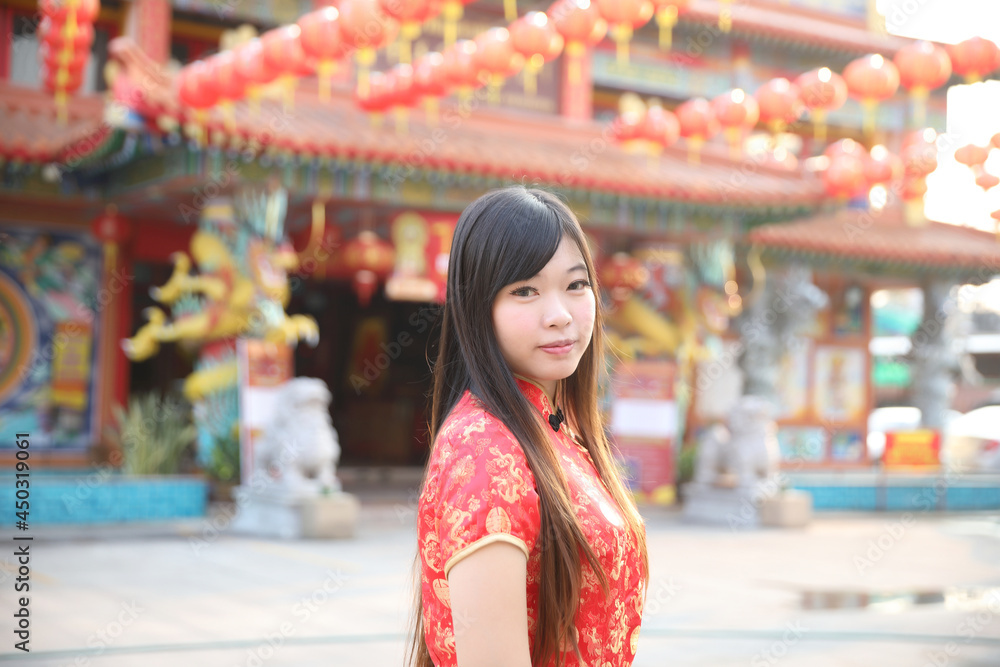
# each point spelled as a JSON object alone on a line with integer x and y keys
{"x": 579, "y": 267}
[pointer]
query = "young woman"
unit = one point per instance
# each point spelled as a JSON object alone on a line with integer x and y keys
{"x": 530, "y": 549}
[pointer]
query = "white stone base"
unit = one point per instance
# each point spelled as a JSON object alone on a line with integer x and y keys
{"x": 330, "y": 516}
{"x": 789, "y": 509}
{"x": 733, "y": 507}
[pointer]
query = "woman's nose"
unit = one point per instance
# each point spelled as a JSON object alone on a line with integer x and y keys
{"x": 557, "y": 315}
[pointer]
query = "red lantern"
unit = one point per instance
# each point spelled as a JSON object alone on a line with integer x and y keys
{"x": 659, "y": 128}
{"x": 399, "y": 80}
{"x": 461, "y": 70}
{"x": 845, "y": 177}
{"x": 697, "y": 124}
{"x": 111, "y": 230}
{"x": 627, "y": 128}
{"x": 194, "y": 86}
{"x": 57, "y": 36}
{"x": 581, "y": 26}
{"x": 282, "y": 52}
{"x": 871, "y": 79}
{"x": 364, "y": 26}
{"x": 58, "y": 10}
{"x": 882, "y": 166}
{"x": 623, "y": 16}
{"x": 430, "y": 82}
{"x": 495, "y": 55}
{"x": 666, "y": 12}
{"x": 228, "y": 81}
{"x": 984, "y": 179}
{"x": 621, "y": 274}
{"x": 974, "y": 58}
{"x": 536, "y": 39}
{"x": 251, "y": 66}
{"x": 410, "y": 14}
{"x": 429, "y": 75}
{"x": 368, "y": 259}
{"x": 971, "y": 155}
{"x": 55, "y": 59}
{"x": 379, "y": 95}
{"x": 822, "y": 90}
{"x": 779, "y": 102}
{"x": 922, "y": 66}
{"x": 63, "y": 81}
{"x": 919, "y": 152}
{"x": 196, "y": 91}
{"x": 320, "y": 38}
{"x": 736, "y": 112}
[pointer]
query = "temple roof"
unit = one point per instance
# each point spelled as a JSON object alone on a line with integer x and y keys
{"x": 486, "y": 142}
{"x": 797, "y": 25}
{"x": 32, "y": 133}
{"x": 883, "y": 241}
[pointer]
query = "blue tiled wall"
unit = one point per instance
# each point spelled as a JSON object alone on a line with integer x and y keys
{"x": 926, "y": 495}
{"x": 842, "y": 497}
{"x": 65, "y": 499}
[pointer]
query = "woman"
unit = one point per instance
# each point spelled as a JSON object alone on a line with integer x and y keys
{"x": 530, "y": 549}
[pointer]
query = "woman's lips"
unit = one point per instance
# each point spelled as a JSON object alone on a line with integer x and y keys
{"x": 559, "y": 347}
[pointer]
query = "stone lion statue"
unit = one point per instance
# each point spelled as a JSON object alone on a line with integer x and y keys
{"x": 744, "y": 453}
{"x": 299, "y": 449}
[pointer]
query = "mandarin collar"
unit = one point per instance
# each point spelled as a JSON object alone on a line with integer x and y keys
{"x": 535, "y": 394}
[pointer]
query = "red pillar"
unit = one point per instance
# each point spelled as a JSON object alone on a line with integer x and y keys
{"x": 148, "y": 24}
{"x": 576, "y": 87}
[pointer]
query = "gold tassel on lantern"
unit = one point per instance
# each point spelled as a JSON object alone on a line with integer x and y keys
{"x": 725, "y": 15}
{"x": 666, "y": 18}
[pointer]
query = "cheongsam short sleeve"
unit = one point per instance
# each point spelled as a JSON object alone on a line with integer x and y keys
{"x": 487, "y": 494}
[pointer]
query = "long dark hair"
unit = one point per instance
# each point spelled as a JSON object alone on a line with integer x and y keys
{"x": 507, "y": 236}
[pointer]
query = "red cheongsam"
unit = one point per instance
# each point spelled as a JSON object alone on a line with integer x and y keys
{"x": 480, "y": 490}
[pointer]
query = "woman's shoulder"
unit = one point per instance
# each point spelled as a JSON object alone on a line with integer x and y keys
{"x": 473, "y": 437}
{"x": 470, "y": 424}
{"x": 475, "y": 451}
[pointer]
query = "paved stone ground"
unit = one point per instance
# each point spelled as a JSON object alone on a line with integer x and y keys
{"x": 185, "y": 594}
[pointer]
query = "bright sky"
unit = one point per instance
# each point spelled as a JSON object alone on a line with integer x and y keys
{"x": 973, "y": 111}
{"x": 947, "y": 21}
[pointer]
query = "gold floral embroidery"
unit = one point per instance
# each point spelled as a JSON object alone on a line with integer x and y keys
{"x": 443, "y": 591}
{"x": 510, "y": 482}
{"x": 497, "y": 521}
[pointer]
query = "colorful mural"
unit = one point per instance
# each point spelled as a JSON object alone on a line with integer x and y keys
{"x": 49, "y": 304}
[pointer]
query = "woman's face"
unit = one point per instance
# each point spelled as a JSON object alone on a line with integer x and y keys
{"x": 544, "y": 324}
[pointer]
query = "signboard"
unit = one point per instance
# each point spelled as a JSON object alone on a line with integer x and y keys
{"x": 908, "y": 449}
{"x": 423, "y": 245}
{"x": 262, "y": 367}
{"x": 644, "y": 423}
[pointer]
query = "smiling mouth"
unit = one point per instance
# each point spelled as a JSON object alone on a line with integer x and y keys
{"x": 559, "y": 347}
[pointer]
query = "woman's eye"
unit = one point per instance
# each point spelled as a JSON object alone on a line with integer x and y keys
{"x": 522, "y": 291}
{"x": 580, "y": 284}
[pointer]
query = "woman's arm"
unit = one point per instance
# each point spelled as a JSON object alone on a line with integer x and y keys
{"x": 489, "y": 607}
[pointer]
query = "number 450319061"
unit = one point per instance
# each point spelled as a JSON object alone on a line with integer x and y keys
{"x": 22, "y": 473}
